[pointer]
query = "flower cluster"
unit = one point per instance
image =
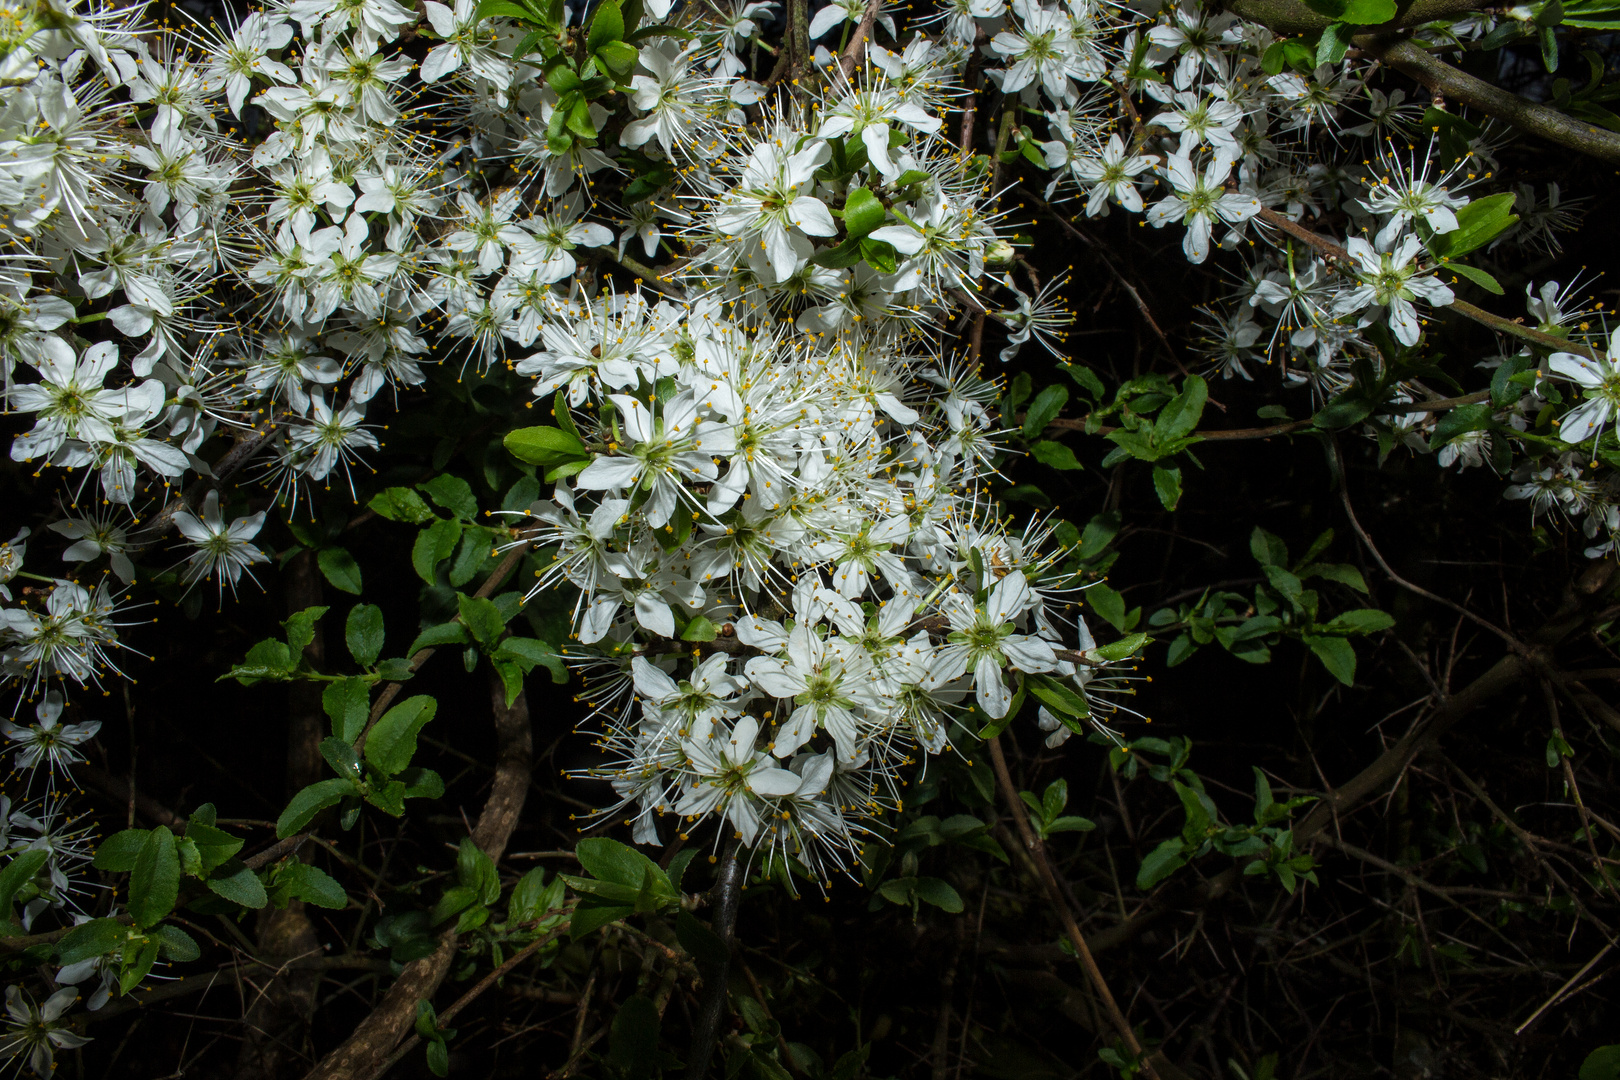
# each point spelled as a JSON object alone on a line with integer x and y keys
{"x": 808, "y": 513}
{"x": 246, "y": 244}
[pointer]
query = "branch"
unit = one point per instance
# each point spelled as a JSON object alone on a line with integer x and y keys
{"x": 1411, "y": 59}
{"x": 727, "y": 897}
{"x": 391, "y": 691}
{"x": 229, "y": 464}
{"x": 1069, "y": 227}
{"x": 1349, "y": 511}
{"x": 1336, "y": 255}
{"x": 365, "y": 1054}
{"x": 1286, "y": 428}
{"x": 653, "y": 279}
{"x": 1054, "y": 897}
{"x": 856, "y": 52}
{"x": 1287, "y": 17}
{"x": 478, "y": 989}
{"x": 1577, "y": 608}
{"x": 1505, "y": 673}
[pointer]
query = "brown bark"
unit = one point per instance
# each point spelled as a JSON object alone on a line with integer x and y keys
{"x": 280, "y": 1004}
{"x": 364, "y": 1054}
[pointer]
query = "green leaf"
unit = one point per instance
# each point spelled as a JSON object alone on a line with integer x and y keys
{"x": 580, "y": 122}
{"x": 1268, "y": 549}
{"x": 1285, "y": 583}
{"x": 139, "y": 956}
{"x": 863, "y": 212}
{"x": 841, "y": 255}
{"x": 1332, "y": 45}
{"x": 476, "y": 870}
{"x": 342, "y": 758}
{"x": 1200, "y": 813}
{"x": 529, "y": 653}
{"x": 1336, "y": 655}
{"x": 452, "y": 493}
{"x": 1361, "y": 621}
{"x": 214, "y": 846}
{"x": 340, "y": 569}
{"x": 395, "y": 669}
{"x": 633, "y": 1039}
{"x": 940, "y": 894}
{"x": 699, "y": 629}
{"x": 1054, "y": 799}
{"x": 1478, "y": 223}
{"x": 1342, "y": 573}
{"x": 1460, "y": 421}
{"x": 1108, "y": 603}
{"x": 346, "y": 703}
{"x": 618, "y": 56}
{"x": 1477, "y": 276}
{"x": 607, "y": 25}
{"x": 154, "y": 883}
{"x": 504, "y": 9}
{"x": 98, "y": 937}
{"x": 1057, "y": 455}
{"x": 1044, "y": 409}
{"x": 698, "y": 940}
{"x": 1343, "y": 411}
{"x": 609, "y": 860}
{"x": 400, "y": 504}
{"x": 300, "y": 628}
{"x": 363, "y": 633}
{"x": 1115, "y": 651}
{"x": 473, "y": 553}
{"x": 238, "y": 884}
{"x": 1028, "y": 493}
{"x": 392, "y": 742}
{"x": 1167, "y": 485}
{"x": 1160, "y": 863}
{"x": 1099, "y": 533}
{"x": 1602, "y": 1064}
{"x": 268, "y": 660}
{"x": 176, "y": 945}
{"x": 190, "y": 857}
{"x": 1181, "y": 413}
{"x": 532, "y": 897}
{"x": 1085, "y": 378}
{"x": 1355, "y": 12}
{"x": 1017, "y": 392}
{"x": 301, "y": 881}
{"x": 1274, "y": 59}
{"x": 543, "y": 445}
{"x": 309, "y": 802}
{"x": 591, "y": 915}
{"x": 482, "y": 618}
{"x": 434, "y": 545}
{"x": 20, "y": 871}
{"x": 1059, "y": 696}
{"x": 450, "y": 633}
{"x": 421, "y": 783}
{"x": 880, "y": 256}
{"x": 564, "y": 81}
{"x": 119, "y": 851}
{"x": 1592, "y": 15}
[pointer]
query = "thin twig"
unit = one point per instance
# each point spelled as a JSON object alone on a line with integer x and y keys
{"x": 1559, "y": 993}
{"x": 727, "y": 897}
{"x": 1344, "y": 495}
{"x": 472, "y": 995}
{"x": 1054, "y": 896}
